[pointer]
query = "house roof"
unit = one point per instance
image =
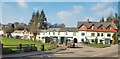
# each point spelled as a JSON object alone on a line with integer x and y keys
{"x": 97, "y": 24}
{"x": 63, "y": 29}
{"x": 20, "y": 30}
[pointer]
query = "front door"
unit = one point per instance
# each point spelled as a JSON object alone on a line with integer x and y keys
{"x": 82, "y": 40}
{"x": 75, "y": 40}
{"x": 107, "y": 41}
{"x": 62, "y": 40}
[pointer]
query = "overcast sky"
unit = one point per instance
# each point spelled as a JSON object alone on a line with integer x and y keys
{"x": 57, "y": 11}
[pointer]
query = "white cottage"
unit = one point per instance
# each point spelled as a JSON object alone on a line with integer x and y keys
{"x": 59, "y": 34}
{"x": 23, "y": 34}
{"x": 99, "y": 32}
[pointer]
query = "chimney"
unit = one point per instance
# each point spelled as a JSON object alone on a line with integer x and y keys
{"x": 113, "y": 21}
{"x": 88, "y": 21}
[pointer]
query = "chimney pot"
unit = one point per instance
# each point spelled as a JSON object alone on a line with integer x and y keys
{"x": 88, "y": 21}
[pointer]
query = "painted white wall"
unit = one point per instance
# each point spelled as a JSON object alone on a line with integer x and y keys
{"x": 78, "y": 35}
{"x": 1, "y": 32}
{"x": 88, "y": 35}
{"x": 22, "y": 33}
{"x": 62, "y": 34}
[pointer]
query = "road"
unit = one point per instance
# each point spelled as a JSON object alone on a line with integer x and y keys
{"x": 84, "y": 51}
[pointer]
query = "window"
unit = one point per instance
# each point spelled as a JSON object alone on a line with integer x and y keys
{"x": 82, "y": 34}
{"x": 22, "y": 32}
{"x": 82, "y": 27}
{"x": 74, "y": 33}
{"x": 38, "y": 33}
{"x": 49, "y": 33}
{"x": 43, "y": 33}
{"x": 92, "y": 27}
{"x": 101, "y": 28}
{"x": 58, "y": 33}
{"x": 109, "y": 28}
{"x": 66, "y": 32}
{"x": 101, "y": 34}
{"x": 54, "y": 32}
{"x": 98, "y": 34}
{"x": 108, "y": 35}
{"x": 92, "y": 34}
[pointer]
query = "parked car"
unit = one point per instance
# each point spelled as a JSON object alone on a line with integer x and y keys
{"x": 86, "y": 43}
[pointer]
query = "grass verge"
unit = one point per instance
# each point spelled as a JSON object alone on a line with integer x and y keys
{"x": 10, "y": 44}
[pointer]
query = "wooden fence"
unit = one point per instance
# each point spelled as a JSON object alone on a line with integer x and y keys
{"x": 20, "y": 47}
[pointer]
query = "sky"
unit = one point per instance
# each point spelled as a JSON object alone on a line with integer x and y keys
{"x": 67, "y": 12}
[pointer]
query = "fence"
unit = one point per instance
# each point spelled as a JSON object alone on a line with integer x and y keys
{"x": 19, "y": 48}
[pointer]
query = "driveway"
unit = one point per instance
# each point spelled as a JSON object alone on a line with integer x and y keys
{"x": 84, "y": 51}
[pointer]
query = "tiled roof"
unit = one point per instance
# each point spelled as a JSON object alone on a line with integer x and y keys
{"x": 97, "y": 24}
{"x": 63, "y": 29}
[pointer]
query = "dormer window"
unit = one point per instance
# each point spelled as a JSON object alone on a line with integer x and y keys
{"x": 101, "y": 28}
{"x": 93, "y": 27}
{"x": 83, "y": 27}
{"x": 109, "y": 28}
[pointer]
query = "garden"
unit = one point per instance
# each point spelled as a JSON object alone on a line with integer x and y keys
{"x": 10, "y": 45}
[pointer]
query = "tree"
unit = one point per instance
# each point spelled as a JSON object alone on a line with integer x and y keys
{"x": 39, "y": 20}
{"x": 32, "y": 21}
{"x": 109, "y": 19}
{"x": 8, "y": 30}
{"x": 16, "y": 23}
{"x": 43, "y": 20}
{"x": 96, "y": 40}
{"x": 61, "y": 25}
{"x": 115, "y": 39}
{"x": 116, "y": 15}
{"x": 34, "y": 30}
{"x": 101, "y": 20}
{"x": 19, "y": 27}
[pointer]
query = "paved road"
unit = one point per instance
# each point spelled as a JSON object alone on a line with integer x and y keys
{"x": 84, "y": 51}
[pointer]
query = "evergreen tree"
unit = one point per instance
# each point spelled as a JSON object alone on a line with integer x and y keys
{"x": 102, "y": 20}
{"x": 109, "y": 19}
{"x": 116, "y": 15}
{"x": 43, "y": 20}
{"x": 115, "y": 39}
{"x": 32, "y": 21}
{"x": 39, "y": 20}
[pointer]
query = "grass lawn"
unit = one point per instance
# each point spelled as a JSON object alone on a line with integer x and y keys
{"x": 14, "y": 42}
{"x": 98, "y": 45}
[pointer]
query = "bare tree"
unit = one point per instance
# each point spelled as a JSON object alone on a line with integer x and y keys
{"x": 8, "y": 30}
{"x": 34, "y": 30}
